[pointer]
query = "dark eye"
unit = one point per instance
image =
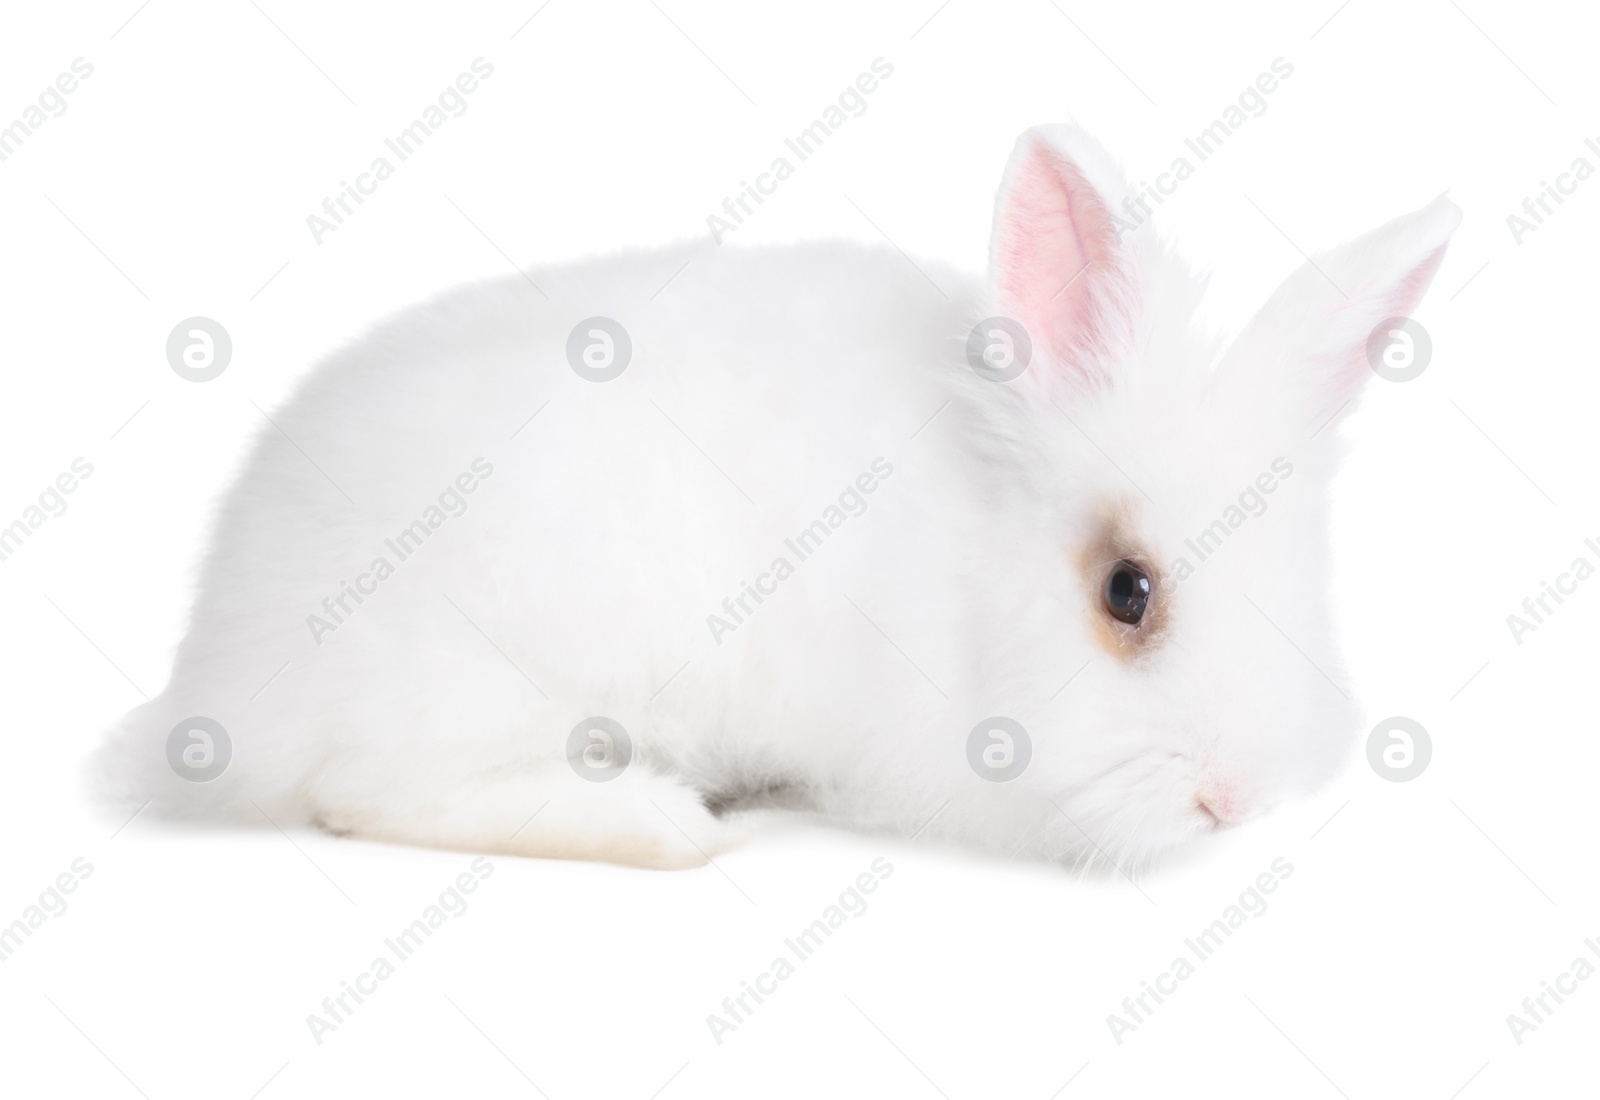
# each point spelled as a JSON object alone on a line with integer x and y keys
{"x": 1127, "y": 593}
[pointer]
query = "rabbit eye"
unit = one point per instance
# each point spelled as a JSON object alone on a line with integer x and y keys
{"x": 1127, "y": 593}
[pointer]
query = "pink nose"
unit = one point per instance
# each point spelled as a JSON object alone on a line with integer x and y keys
{"x": 1223, "y": 801}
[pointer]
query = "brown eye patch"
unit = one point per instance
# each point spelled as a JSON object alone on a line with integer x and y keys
{"x": 1126, "y": 599}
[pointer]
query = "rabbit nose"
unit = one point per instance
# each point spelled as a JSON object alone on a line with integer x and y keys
{"x": 1222, "y": 801}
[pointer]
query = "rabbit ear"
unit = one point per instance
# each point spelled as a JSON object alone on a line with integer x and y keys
{"x": 1057, "y": 264}
{"x": 1310, "y": 342}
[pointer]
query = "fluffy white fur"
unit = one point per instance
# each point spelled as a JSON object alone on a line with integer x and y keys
{"x": 616, "y": 521}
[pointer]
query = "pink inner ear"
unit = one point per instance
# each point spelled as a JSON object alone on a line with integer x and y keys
{"x": 1053, "y": 239}
{"x": 1401, "y": 300}
{"x": 1408, "y": 295}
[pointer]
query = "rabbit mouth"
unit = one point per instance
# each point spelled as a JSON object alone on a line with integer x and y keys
{"x": 1209, "y": 821}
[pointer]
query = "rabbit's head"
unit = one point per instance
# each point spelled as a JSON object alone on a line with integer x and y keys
{"x": 1174, "y": 489}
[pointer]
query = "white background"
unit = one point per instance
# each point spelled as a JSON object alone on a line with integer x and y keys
{"x": 1416, "y": 919}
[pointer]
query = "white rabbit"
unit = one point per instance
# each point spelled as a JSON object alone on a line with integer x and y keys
{"x": 961, "y": 644}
